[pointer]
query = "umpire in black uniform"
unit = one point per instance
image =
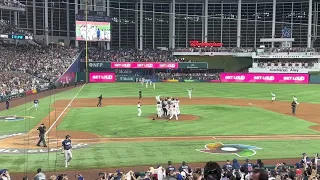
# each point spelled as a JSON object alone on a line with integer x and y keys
{"x": 294, "y": 106}
{"x": 42, "y": 131}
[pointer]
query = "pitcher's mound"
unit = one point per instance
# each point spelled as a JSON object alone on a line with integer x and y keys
{"x": 182, "y": 117}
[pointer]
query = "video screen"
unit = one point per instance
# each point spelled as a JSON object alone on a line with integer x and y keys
{"x": 93, "y": 31}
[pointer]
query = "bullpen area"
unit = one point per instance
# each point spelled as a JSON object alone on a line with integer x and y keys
{"x": 220, "y": 122}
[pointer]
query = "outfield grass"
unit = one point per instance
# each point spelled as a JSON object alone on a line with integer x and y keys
{"x": 152, "y": 153}
{"x": 304, "y": 93}
{"x": 214, "y": 120}
{"x": 111, "y": 121}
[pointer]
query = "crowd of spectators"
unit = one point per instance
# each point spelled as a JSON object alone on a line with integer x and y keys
{"x": 215, "y": 49}
{"x": 301, "y": 64}
{"x": 12, "y": 3}
{"x": 8, "y": 28}
{"x": 131, "y": 55}
{"x": 204, "y": 75}
{"x": 247, "y": 50}
{"x": 26, "y": 67}
{"x": 306, "y": 169}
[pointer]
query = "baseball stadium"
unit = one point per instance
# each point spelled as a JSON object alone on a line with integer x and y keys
{"x": 166, "y": 89}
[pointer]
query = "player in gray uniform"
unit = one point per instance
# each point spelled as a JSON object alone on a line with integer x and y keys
{"x": 67, "y": 146}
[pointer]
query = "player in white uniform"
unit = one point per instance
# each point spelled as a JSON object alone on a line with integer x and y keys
{"x": 170, "y": 108}
{"x": 178, "y": 106}
{"x": 295, "y": 99}
{"x": 159, "y": 110}
{"x": 174, "y": 113}
{"x": 190, "y": 92}
{"x": 102, "y": 35}
{"x": 273, "y": 96}
{"x": 154, "y": 85}
{"x": 150, "y": 83}
{"x": 142, "y": 81}
{"x": 158, "y": 98}
{"x": 147, "y": 83}
{"x": 139, "y": 109}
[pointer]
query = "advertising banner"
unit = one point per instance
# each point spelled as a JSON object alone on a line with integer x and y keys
{"x": 278, "y": 70}
{"x": 125, "y": 78}
{"x": 144, "y": 65}
{"x": 102, "y": 77}
{"x": 98, "y": 65}
{"x": 265, "y": 78}
{"x": 197, "y": 65}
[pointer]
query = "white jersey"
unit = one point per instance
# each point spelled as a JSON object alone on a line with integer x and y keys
{"x": 139, "y": 106}
{"x": 177, "y": 103}
{"x": 174, "y": 110}
{"x": 158, "y": 98}
{"x": 189, "y": 91}
{"x": 159, "y": 106}
{"x": 273, "y": 95}
{"x": 295, "y": 99}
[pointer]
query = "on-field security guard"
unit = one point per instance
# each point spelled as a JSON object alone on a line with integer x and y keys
{"x": 42, "y": 131}
{"x": 294, "y": 105}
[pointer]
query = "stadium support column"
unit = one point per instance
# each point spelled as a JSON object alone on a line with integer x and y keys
{"x": 153, "y": 26}
{"x": 309, "y": 23}
{"x": 173, "y": 23}
{"x": 34, "y": 19}
{"x": 221, "y": 20}
{"x": 108, "y": 14}
{"x": 206, "y": 20}
{"x": 46, "y": 22}
{"x": 274, "y": 11}
{"x": 68, "y": 21}
{"x": 239, "y": 25}
{"x": 136, "y": 30}
{"x": 141, "y": 25}
{"x": 170, "y": 25}
{"x": 255, "y": 26}
{"x": 76, "y": 12}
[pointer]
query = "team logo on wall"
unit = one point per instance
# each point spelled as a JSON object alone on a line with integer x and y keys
{"x": 14, "y": 118}
{"x": 239, "y": 150}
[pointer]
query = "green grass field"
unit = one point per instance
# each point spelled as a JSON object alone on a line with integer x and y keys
{"x": 116, "y": 121}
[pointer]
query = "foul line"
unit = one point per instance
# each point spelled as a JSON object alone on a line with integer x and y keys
{"x": 28, "y": 108}
{"x": 65, "y": 109}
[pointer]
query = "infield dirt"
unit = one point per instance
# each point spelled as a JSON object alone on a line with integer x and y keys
{"x": 306, "y": 111}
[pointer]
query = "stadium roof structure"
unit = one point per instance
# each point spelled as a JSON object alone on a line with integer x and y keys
{"x": 218, "y": 1}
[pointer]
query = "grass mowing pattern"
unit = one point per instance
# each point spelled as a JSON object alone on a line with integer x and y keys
{"x": 152, "y": 153}
{"x": 112, "y": 121}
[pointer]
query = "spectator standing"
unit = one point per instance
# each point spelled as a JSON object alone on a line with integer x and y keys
{"x": 235, "y": 164}
{"x": 227, "y": 166}
{"x": 170, "y": 168}
{"x": 259, "y": 164}
{"x": 40, "y": 175}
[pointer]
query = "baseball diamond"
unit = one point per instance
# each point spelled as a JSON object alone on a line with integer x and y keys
{"x": 159, "y": 89}
{"x": 99, "y": 127}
